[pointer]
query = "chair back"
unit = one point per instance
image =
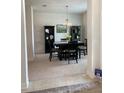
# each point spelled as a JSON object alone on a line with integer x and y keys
{"x": 85, "y": 42}
{"x": 73, "y": 45}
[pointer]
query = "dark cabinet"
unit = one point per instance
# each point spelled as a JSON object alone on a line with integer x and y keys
{"x": 49, "y": 36}
{"x": 75, "y": 32}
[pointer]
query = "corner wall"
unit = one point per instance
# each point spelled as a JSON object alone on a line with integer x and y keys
{"x": 94, "y": 36}
{"x": 84, "y": 15}
{"x": 29, "y": 30}
{"x": 24, "y": 60}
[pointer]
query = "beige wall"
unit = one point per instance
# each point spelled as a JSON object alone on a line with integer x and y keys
{"x": 97, "y": 33}
{"x": 94, "y": 35}
{"x": 41, "y": 19}
{"x": 35, "y": 32}
{"x": 84, "y": 15}
{"x": 29, "y": 29}
{"x": 24, "y": 66}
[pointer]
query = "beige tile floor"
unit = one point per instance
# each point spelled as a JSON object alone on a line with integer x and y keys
{"x": 44, "y": 74}
{"x": 93, "y": 87}
{"x": 42, "y": 68}
{"x": 57, "y": 82}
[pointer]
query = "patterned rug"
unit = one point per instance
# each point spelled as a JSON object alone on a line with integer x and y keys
{"x": 80, "y": 88}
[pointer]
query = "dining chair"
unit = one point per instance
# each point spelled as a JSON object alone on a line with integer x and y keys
{"x": 63, "y": 51}
{"x": 83, "y": 49}
{"x": 72, "y": 51}
{"x": 85, "y": 46}
{"x": 53, "y": 51}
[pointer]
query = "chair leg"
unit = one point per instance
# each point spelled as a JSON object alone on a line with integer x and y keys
{"x": 76, "y": 57}
{"x": 79, "y": 54}
{"x": 76, "y": 61}
{"x": 50, "y": 57}
{"x": 68, "y": 62}
{"x": 68, "y": 56}
{"x": 84, "y": 52}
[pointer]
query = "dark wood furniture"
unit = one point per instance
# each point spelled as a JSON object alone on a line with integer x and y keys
{"x": 59, "y": 43}
{"x": 68, "y": 50}
{"x": 75, "y": 32}
{"x": 49, "y": 35}
{"x": 72, "y": 51}
{"x": 83, "y": 49}
{"x": 53, "y": 51}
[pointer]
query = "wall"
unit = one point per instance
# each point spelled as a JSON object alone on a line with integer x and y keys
{"x": 94, "y": 36}
{"x": 97, "y": 33}
{"x": 42, "y": 19}
{"x": 84, "y": 15}
{"x": 29, "y": 29}
{"x": 24, "y": 67}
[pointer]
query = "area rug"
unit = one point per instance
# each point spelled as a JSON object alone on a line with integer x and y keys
{"x": 79, "y": 88}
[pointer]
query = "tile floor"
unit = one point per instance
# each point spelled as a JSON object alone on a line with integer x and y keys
{"x": 42, "y": 68}
{"x": 57, "y": 82}
{"x": 78, "y": 88}
{"x": 44, "y": 74}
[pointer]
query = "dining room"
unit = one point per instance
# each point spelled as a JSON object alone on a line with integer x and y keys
{"x": 62, "y": 43}
{"x": 60, "y": 39}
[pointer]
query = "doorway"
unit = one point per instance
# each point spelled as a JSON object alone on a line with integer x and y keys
{"x": 49, "y": 36}
{"x": 75, "y": 32}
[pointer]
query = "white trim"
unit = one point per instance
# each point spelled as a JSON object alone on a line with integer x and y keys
{"x": 32, "y": 23}
{"x": 26, "y": 54}
{"x": 26, "y": 83}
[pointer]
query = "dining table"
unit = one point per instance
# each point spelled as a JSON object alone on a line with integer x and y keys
{"x": 62, "y": 45}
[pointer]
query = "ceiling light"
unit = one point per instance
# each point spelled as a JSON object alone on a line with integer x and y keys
{"x": 44, "y": 5}
{"x": 67, "y": 23}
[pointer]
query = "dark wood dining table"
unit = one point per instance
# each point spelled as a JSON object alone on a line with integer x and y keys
{"x": 60, "y": 45}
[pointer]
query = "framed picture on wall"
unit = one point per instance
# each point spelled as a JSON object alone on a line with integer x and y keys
{"x": 60, "y": 28}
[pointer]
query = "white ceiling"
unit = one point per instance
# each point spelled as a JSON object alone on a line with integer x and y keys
{"x": 58, "y": 6}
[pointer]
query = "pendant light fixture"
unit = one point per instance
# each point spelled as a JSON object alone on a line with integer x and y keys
{"x": 67, "y": 23}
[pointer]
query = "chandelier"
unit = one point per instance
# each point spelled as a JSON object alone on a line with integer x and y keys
{"x": 67, "y": 23}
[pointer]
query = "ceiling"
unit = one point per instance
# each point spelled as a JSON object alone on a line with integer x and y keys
{"x": 59, "y": 6}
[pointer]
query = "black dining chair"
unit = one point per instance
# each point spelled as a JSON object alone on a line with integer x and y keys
{"x": 85, "y": 46}
{"x": 53, "y": 51}
{"x": 83, "y": 49}
{"x": 62, "y": 51}
{"x": 72, "y": 52}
